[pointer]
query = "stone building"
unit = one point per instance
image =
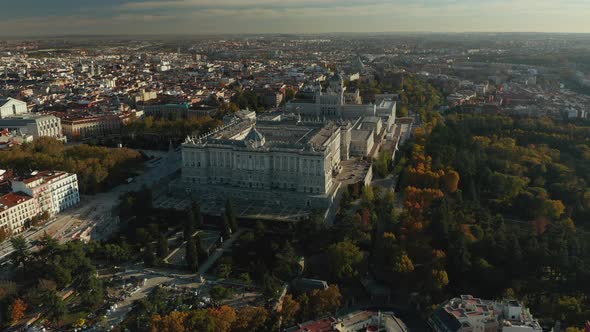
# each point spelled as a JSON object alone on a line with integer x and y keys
{"x": 34, "y": 125}
{"x": 280, "y": 161}
{"x": 12, "y": 107}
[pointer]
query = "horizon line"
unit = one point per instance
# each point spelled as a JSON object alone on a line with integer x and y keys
{"x": 289, "y": 33}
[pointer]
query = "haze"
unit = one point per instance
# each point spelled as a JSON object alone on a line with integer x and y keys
{"x": 40, "y": 17}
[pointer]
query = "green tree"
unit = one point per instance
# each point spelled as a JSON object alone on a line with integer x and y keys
{"x": 189, "y": 224}
{"x": 368, "y": 196}
{"x": 231, "y": 215}
{"x": 192, "y": 255}
{"x": 55, "y": 306}
{"x": 91, "y": 291}
{"x": 225, "y": 230}
{"x": 149, "y": 259}
{"x": 224, "y": 271}
{"x": 219, "y": 293}
{"x": 343, "y": 260}
{"x": 163, "y": 249}
{"x": 21, "y": 254}
{"x": 196, "y": 208}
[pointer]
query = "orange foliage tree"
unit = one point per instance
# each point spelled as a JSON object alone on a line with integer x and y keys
{"x": 18, "y": 310}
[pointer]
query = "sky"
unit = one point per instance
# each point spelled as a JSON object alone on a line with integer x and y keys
{"x": 65, "y": 17}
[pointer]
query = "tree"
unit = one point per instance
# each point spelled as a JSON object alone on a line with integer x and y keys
{"x": 219, "y": 293}
{"x": 222, "y": 318}
{"x": 196, "y": 208}
{"x": 163, "y": 250}
{"x": 149, "y": 259}
{"x": 202, "y": 253}
{"x": 368, "y": 196}
{"x": 569, "y": 308}
{"x": 189, "y": 224}
{"x": 173, "y": 322}
{"x": 343, "y": 260}
{"x": 192, "y": 255}
{"x": 18, "y": 310}
{"x": 289, "y": 94}
{"x": 403, "y": 264}
{"x": 91, "y": 291}
{"x": 324, "y": 302}
{"x": 225, "y": 231}
{"x": 450, "y": 181}
{"x": 231, "y": 215}
{"x": 289, "y": 310}
{"x": 440, "y": 279}
{"x": 5, "y": 233}
{"x": 224, "y": 271}
{"x": 200, "y": 320}
{"x": 21, "y": 253}
{"x": 56, "y": 307}
{"x": 245, "y": 278}
{"x": 250, "y": 319}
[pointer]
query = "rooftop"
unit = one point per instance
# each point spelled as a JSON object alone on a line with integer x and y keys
{"x": 10, "y": 200}
{"x": 46, "y": 176}
{"x": 322, "y": 325}
{"x": 276, "y": 134}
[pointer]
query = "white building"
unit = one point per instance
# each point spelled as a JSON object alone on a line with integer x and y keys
{"x": 34, "y": 125}
{"x": 471, "y": 314}
{"x": 15, "y": 210}
{"x": 53, "y": 191}
{"x": 330, "y": 104}
{"x": 11, "y": 107}
{"x": 369, "y": 321}
{"x": 286, "y": 162}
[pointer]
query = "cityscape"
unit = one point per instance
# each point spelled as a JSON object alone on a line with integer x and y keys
{"x": 297, "y": 182}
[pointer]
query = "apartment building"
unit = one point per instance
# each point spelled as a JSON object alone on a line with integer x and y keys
{"x": 53, "y": 191}
{"x": 16, "y": 208}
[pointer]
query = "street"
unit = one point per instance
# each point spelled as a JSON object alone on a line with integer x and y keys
{"x": 96, "y": 211}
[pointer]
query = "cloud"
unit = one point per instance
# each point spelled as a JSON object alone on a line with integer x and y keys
{"x": 304, "y": 16}
{"x": 225, "y": 3}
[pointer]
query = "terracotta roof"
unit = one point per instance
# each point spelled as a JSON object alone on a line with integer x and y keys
{"x": 12, "y": 199}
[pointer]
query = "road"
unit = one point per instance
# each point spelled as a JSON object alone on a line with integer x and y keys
{"x": 96, "y": 210}
{"x": 155, "y": 277}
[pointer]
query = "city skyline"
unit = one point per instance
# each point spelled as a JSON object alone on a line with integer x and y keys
{"x": 33, "y": 17}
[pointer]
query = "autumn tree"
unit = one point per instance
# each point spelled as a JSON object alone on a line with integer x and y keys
{"x": 173, "y": 322}
{"x": 321, "y": 302}
{"x": 5, "y": 233}
{"x": 450, "y": 181}
{"x": 289, "y": 310}
{"x": 222, "y": 318}
{"x": 18, "y": 310}
{"x": 403, "y": 264}
{"x": 439, "y": 279}
{"x": 250, "y": 319}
